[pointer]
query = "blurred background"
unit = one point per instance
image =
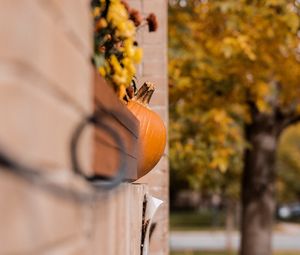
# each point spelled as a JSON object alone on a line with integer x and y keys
{"x": 207, "y": 220}
{"x": 230, "y": 100}
{"x": 234, "y": 77}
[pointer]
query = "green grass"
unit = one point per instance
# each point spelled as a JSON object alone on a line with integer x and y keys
{"x": 204, "y": 220}
{"x": 191, "y": 220}
{"x": 224, "y": 253}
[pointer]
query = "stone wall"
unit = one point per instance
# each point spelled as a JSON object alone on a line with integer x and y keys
{"x": 154, "y": 69}
{"x": 46, "y": 87}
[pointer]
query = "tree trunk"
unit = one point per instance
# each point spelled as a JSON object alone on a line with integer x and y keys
{"x": 229, "y": 225}
{"x": 258, "y": 201}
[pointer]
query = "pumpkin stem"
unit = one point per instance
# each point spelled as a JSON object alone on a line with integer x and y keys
{"x": 145, "y": 93}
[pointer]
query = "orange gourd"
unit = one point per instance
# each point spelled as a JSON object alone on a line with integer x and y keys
{"x": 152, "y": 135}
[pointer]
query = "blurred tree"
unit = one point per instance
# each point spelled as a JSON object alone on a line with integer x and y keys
{"x": 234, "y": 85}
{"x": 288, "y": 165}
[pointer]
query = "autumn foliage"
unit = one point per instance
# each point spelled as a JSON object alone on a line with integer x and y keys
{"x": 234, "y": 78}
{"x": 226, "y": 57}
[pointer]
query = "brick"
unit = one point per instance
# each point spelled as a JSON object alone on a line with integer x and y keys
{"x": 74, "y": 19}
{"x": 38, "y": 43}
{"x": 135, "y": 4}
{"x": 136, "y": 211}
{"x": 154, "y": 53}
{"x": 159, "y": 37}
{"x": 129, "y": 219}
{"x": 154, "y": 38}
{"x": 163, "y": 164}
{"x": 159, "y": 7}
{"x": 31, "y": 219}
{"x": 122, "y": 226}
{"x": 157, "y": 245}
{"x": 139, "y": 38}
{"x": 159, "y": 253}
{"x": 159, "y": 239}
{"x": 47, "y": 89}
{"x": 162, "y": 222}
{"x": 159, "y": 192}
{"x": 104, "y": 236}
{"x": 73, "y": 246}
{"x": 162, "y": 167}
{"x": 162, "y": 216}
{"x": 153, "y": 178}
{"x": 118, "y": 221}
{"x": 159, "y": 98}
{"x": 139, "y": 70}
{"x": 38, "y": 126}
{"x": 154, "y": 68}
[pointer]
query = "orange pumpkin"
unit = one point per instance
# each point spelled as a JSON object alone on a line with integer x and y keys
{"x": 152, "y": 135}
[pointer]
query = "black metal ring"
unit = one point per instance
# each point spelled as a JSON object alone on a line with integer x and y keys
{"x": 40, "y": 179}
{"x": 96, "y": 181}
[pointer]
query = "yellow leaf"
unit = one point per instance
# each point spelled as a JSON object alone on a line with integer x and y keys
{"x": 275, "y": 2}
{"x": 262, "y": 89}
{"x": 261, "y": 105}
{"x": 292, "y": 20}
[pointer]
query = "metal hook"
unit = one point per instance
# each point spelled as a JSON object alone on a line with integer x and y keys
{"x": 97, "y": 181}
{"x": 40, "y": 179}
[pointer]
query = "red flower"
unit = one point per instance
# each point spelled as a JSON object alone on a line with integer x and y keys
{"x": 136, "y": 17}
{"x": 152, "y": 22}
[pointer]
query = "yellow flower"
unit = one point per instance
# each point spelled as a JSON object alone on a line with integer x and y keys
{"x": 128, "y": 48}
{"x": 119, "y": 70}
{"x": 96, "y": 11}
{"x": 121, "y": 28}
{"x": 121, "y": 91}
{"x": 115, "y": 64}
{"x": 130, "y": 29}
{"x": 129, "y": 65}
{"x": 138, "y": 55}
{"x": 131, "y": 68}
{"x": 118, "y": 9}
{"x": 119, "y": 18}
{"x": 102, "y": 71}
{"x": 102, "y": 23}
{"x": 117, "y": 12}
{"x": 120, "y": 78}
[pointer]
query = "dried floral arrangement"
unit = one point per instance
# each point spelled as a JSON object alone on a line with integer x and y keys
{"x": 116, "y": 51}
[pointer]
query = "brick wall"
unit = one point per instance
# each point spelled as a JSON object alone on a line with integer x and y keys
{"x": 45, "y": 89}
{"x": 154, "y": 68}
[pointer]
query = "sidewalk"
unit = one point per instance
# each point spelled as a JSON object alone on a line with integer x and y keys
{"x": 286, "y": 237}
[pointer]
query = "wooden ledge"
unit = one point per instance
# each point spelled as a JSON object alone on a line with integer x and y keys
{"x": 116, "y": 115}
